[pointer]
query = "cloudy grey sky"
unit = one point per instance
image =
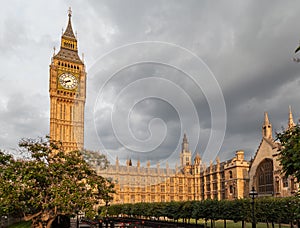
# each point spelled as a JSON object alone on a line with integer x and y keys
{"x": 156, "y": 69}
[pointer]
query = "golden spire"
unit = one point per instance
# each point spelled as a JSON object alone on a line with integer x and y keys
{"x": 267, "y": 122}
{"x": 267, "y": 127}
{"x": 68, "y": 46}
{"x": 69, "y": 30}
{"x": 291, "y": 119}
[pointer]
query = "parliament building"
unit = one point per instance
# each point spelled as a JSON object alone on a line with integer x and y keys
{"x": 197, "y": 181}
{"x": 192, "y": 180}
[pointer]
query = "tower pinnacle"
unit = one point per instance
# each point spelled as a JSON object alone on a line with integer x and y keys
{"x": 69, "y": 30}
{"x": 267, "y": 127}
{"x": 185, "y": 155}
{"x": 267, "y": 122}
{"x": 184, "y": 137}
{"x": 185, "y": 144}
{"x": 291, "y": 119}
{"x": 68, "y": 47}
{"x": 70, "y": 12}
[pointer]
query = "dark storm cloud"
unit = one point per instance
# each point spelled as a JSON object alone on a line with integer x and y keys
{"x": 26, "y": 119}
{"x": 248, "y": 47}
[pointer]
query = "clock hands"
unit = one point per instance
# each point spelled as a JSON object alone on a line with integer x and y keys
{"x": 68, "y": 81}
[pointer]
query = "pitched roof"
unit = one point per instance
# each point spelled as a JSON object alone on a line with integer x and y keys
{"x": 69, "y": 55}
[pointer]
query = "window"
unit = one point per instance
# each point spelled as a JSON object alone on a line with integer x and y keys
{"x": 132, "y": 199}
{"x": 153, "y": 198}
{"x": 293, "y": 187}
{"x": 71, "y": 113}
{"x": 208, "y": 187}
{"x": 215, "y": 176}
{"x": 230, "y": 174}
{"x": 61, "y": 111}
{"x": 215, "y": 186}
{"x": 222, "y": 175}
{"x": 285, "y": 182}
{"x": 264, "y": 175}
{"x": 230, "y": 189}
{"x": 152, "y": 188}
{"x": 171, "y": 188}
{"x": 277, "y": 186}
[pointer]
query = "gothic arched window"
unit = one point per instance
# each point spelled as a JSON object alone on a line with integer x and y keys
{"x": 264, "y": 174}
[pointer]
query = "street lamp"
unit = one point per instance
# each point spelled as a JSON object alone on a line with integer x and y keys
{"x": 253, "y": 194}
{"x": 106, "y": 212}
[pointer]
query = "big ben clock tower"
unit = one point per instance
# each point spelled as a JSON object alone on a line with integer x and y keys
{"x": 67, "y": 88}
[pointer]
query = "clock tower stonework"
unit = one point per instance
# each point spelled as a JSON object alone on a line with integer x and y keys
{"x": 67, "y": 88}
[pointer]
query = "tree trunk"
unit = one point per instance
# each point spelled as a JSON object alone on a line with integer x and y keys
{"x": 243, "y": 224}
{"x": 49, "y": 223}
{"x": 273, "y": 225}
{"x": 224, "y": 223}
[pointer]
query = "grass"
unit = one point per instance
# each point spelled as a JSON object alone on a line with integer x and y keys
{"x": 22, "y": 224}
{"x": 231, "y": 224}
{"x": 219, "y": 224}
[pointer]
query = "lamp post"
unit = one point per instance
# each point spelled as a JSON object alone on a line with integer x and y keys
{"x": 106, "y": 212}
{"x": 253, "y": 194}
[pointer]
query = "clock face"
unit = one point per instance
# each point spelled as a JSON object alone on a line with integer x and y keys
{"x": 68, "y": 81}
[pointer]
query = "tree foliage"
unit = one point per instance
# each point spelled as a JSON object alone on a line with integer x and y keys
{"x": 290, "y": 151}
{"x": 50, "y": 183}
{"x": 275, "y": 210}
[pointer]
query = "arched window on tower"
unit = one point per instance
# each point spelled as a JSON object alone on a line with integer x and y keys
{"x": 264, "y": 174}
{"x": 265, "y": 130}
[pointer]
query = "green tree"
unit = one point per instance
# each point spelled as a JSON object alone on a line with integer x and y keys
{"x": 290, "y": 151}
{"x": 95, "y": 159}
{"x": 50, "y": 183}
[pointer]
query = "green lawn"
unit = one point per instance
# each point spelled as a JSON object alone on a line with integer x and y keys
{"x": 22, "y": 224}
{"x": 231, "y": 224}
{"x": 219, "y": 224}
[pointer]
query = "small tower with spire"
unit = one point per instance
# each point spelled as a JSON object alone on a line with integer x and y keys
{"x": 68, "y": 39}
{"x": 291, "y": 123}
{"x": 185, "y": 155}
{"x": 267, "y": 128}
